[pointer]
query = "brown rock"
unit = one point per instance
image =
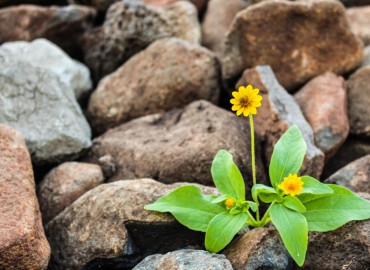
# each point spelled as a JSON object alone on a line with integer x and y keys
{"x": 22, "y": 240}
{"x": 259, "y": 36}
{"x": 64, "y": 184}
{"x": 177, "y": 146}
{"x": 260, "y": 248}
{"x": 62, "y": 25}
{"x": 200, "y": 4}
{"x": 278, "y": 112}
{"x": 358, "y": 102}
{"x": 169, "y": 74}
{"x": 217, "y": 20}
{"x": 359, "y": 21}
{"x": 107, "y": 215}
{"x": 323, "y": 102}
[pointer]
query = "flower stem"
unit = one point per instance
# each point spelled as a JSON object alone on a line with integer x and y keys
{"x": 253, "y": 150}
{"x": 252, "y": 222}
{"x": 266, "y": 217}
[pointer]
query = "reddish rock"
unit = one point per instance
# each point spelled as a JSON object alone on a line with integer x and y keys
{"x": 177, "y": 146}
{"x": 278, "y": 112}
{"x": 64, "y": 184}
{"x": 259, "y": 36}
{"x": 359, "y": 20}
{"x": 217, "y": 20}
{"x": 169, "y": 74}
{"x": 22, "y": 240}
{"x": 323, "y": 102}
{"x": 358, "y": 102}
{"x": 62, "y": 25}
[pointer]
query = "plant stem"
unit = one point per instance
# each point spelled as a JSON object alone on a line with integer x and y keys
{"x": 254, "y": 223}
{"x": 253, "y": 160}
{"x": 266, "y": 216}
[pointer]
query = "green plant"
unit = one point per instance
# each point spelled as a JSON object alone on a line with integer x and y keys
{"x": 297, "y": 204}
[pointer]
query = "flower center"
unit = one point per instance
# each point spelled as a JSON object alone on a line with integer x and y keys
{"x": 229, "y": 203}
{"x": 245, "y": 102}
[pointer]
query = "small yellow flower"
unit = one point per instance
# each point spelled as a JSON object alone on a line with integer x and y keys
{"x": 229, "y": 203}
{"x": 246, "y": 100}
{"x": 292, "y": 185}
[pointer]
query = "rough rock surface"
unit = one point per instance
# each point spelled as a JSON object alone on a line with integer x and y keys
{"x": 61, "y": 25}
{"x": 185, "y": 259}
{"x": 130, "y": 26}
{"x": 323, "y": 102}
{"x": 278, "y": 112}
{"x": 169, "y": 74}
{"x": 113, "y": 215}
{"x": 44, "y": 54}
{"x": 64, "y": 184}
{"x": 217, "y": 20}
{"x": 260, "y": 248}
{"x": 23, "y": 244}
{"x": 359, "y": 20}
{"x": 259, "y": 36}
{"x": 35, "y": 102}
{"x": 355, "y": 176}
{"x": 366, "y": 59}
{"x": 358, "y": 102}
{"x": 177, "y": 146}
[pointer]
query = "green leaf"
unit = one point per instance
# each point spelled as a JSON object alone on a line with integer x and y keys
{"x": 221, "y": 198}
{"x": 331, "y": 212}
{"x": 292, "y": 227}
{"x": 266, "y": 194}
{"x": 294, "y": 204}
{"x": 222, "y": 229}
{"x": 313, "y": 189}
{"x": 189, "y": 206}
{"x": 252, "y": 205}
{"x": 287, "y": 156}
{"x": 227, "y": 176}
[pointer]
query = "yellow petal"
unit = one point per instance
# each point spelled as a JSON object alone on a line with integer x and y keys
{"x": 253, "y": 110}
{"x": 256, "y": 91}
{"x": 246, "y": 113}
{"x": 236, "y": 94}
{"x": 258, "y": 98}
{"x": 256, "y": 104}
{"x": 249, "y": 88}
{"x": 239, "y": 112}
{"x": 234, "y": 101}
{"x": 243, "y": 91}
{"x": 236, "y": 107}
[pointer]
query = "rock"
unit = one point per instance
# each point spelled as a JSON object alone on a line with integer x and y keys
{"x": 61, "y": 25}
{"x": 358, "y": 18}
{"x": 345, "y": 248}
{"x": 354, "y": 176}
{"x": 260, "y": 248}
{"x": 278, "y": 112}
{"x": 258, "y": 36}
{"x": 64, "y": 184}
{"x": 323, "y": 102}
{"x": 177, "y": 146}
{"x": 23, "y": 243}
{"x": 366, "y": 59}
{"x": 358, "y": 102}
{"x": 352, "y": 3}
{"x": 113, "y": 215}
{"x": 169, "y": 74}
{"x": 44, "y": 54}
{"x": 130, "y": 26}
{"x": 185, "y": 259}
{"x": 217, "y": 20}
{"x": 35, "y": 102}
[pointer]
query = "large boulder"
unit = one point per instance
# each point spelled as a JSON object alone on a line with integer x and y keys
{"x": 259, "y": 36}
{"x": 359, "y": 19}
{"x": 23, "y": 244}
{"x": 169, "y": 74}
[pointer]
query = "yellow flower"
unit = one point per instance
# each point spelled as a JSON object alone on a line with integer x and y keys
{"x": 246, "y": 100}
{"x": 292, "y": 185}
{"x": 229, "y": 203}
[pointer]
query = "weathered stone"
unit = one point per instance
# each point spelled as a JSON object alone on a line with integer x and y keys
{"x": 44, "y": 54}
{"x": 366, "y": 59}
{"x": 217, "y": 20}
{"x": 260, "y": 248}
{"x": 130, "y": 26}
{"x": 355, "y": 176}
{"x": 185, "y": 258}
{"x": 169, "y": 74}
{"x": 359, "y": 20}
{"x": 34, "y": 101}
{"x": 259, "y": 36}
{"x": 278, "y": 112}
{"x": 113, "y": 216}
{"x": 64, "y": 184}
{"x": 323, "y": 102}
{"x": 358, "y": 102}
{"x": 61, "y": 25}
{"x": 177, "y": 146}
{"x": 23, "y": 244}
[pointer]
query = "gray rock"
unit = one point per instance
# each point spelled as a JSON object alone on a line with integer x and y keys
{"x": 185, "y": 259}
{"x": 177, "y": 146}
{"x": 359, "y": 20}
{"x": 366, "y": 59}
{"x": 278, "y": 112}
{"x": 35, "y": 102}
{"x": 44, "y": 54}
{"x": 169, "y": 74}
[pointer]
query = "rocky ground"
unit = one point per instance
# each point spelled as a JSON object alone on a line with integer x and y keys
{"x": 107, "y": 105}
